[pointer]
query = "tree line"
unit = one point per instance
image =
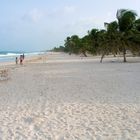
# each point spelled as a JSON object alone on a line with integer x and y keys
{"x": 118, "y": 37}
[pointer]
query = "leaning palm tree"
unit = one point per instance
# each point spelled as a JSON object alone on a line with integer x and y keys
{"x": 126, "y": 19}
{"x": 75, "y": 41}
{"x": 135, "y": 38}
{"x": 108, "y": 39}
{"x": 84, "y": 45}
{"x": 102, "y": 40}
{"x": 93, "y": 41}
{"x": 113, "y": 36}
{"x": 68, "y": 45}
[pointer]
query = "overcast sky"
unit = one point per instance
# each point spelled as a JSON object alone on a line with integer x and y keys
{"x": 32, "y": 25}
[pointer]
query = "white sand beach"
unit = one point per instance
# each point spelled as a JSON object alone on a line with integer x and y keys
{"x": 62, "y": 97}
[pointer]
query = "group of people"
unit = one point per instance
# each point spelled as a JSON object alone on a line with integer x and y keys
{"x": 20, "y": 59}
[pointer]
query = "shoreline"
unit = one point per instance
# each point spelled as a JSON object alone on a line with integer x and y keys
{"x": 49, "y": 58}
{"x": 29, "y": 59}
{"x": 39, "y": 57}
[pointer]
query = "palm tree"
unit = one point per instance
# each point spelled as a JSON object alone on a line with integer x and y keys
{"x": 108, "y": 39}
{"x": 119, "y": 36}
{"x": 135, "y": 38}
{"x": 93, "y": 41}
{"x": 126, "y": 19}
{"x": 85, "y": 45}
{"x": 102, "y": 43}
{"x": 68, "y": 45}
{"x": 113, "y": 37}
{"x": 75, "y": 44}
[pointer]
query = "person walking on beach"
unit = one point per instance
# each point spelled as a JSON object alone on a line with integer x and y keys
{"x": 16, "y": 60}
{"x": 21, "y": 59}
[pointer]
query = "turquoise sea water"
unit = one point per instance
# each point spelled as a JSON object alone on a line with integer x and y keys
{"x": 6, "y": 56}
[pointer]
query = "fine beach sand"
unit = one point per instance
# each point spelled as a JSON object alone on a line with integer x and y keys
{"x": 62, "y": 97}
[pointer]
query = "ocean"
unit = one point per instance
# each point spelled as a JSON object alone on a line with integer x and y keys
{"x": 7, "y": 56}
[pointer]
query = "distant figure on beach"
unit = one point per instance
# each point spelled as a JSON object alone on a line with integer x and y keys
{"x": 16, "y": 60}
{"x": 21, "y": 59}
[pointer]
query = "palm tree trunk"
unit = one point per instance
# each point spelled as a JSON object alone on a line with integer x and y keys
{"x": 124, "y": 54}
{"x": 84, "y": 53}
{"x": 102, "y": 58}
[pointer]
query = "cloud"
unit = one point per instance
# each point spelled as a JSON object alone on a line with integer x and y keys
{"x": 34, "y": 15}
{"x": 81, "y": 25}
{"x": 87, "y": 22}
{"x": 69, "y": 9}
{"x": 62, "y": 11}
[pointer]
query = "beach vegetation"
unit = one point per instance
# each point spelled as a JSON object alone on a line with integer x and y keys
{"x": 117, "y": 38}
